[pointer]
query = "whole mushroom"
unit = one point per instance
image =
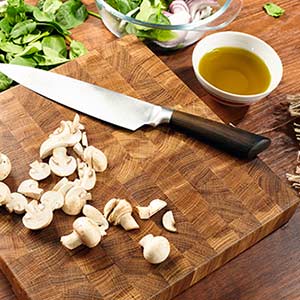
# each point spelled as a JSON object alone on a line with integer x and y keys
{"x": 156, "y": 249}
{"x": 5, "y": 166}
{"x": 4, "y": 194}
{"x": 85, "y": 231}
{"x": 118, "y": 211}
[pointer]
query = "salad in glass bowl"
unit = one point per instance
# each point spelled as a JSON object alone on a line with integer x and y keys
{"x": 171, "y": 24}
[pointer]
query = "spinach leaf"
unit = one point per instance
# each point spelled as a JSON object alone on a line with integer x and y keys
{"x": 24, "y": 61}
{"x": 10, "y": 47}
{"x": 124, "y": 6}
{"x": 273, "y": 10}
{"x": 5, "y": 82}
{"x": 54, "y": 45}
{"x": 5, "y": 26}
{"x": 23, "y": 28}
{"x": 30, "y": 49}
{"x": 33, "y": 37}
{"x": 71, "y": 14}
{"x": 77, "y": 49}
{"x": 44, "y": 61}
{"x": 51, "y": 6}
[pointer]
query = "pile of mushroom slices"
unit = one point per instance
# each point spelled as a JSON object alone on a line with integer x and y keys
{"x": 71, "y": 196}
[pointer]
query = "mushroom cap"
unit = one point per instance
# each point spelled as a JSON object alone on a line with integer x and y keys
{"x": 39, "y": 170}
{"x": 109, "y": 206}
{"x": 53, "y": 199}
{"x": 30, "y": 188}
{"x": 60, "y": 183}
{"x": 37, "y": 216}
{"x": 168, "y": 221}
{"x": 5, "y": 166}
{"x": 75, "y": 199}
{"x": 17, "y": 203}
{"x": 88, "y": 231}
{"x": 4, "y": 193}
{"x": 156, "y": 249}
{"x": 123, "y": 207}
{"x": 61, "y": 164}
{"x": 94, "y": 214}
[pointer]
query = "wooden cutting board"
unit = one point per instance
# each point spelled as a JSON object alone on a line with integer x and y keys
{"x": 222, "y": 205}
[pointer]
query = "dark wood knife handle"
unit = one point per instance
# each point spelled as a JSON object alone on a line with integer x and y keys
{"x": 236, "y": 141}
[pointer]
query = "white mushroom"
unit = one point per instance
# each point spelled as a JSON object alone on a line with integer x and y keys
{"x": 168, "y": 221}
{"x": 94, "y": 214}
{"x": 5, "y": 166}
{"x": 85, "y": 231}
{"x": 87, "y": 175}
{"x": 95, "y": 158}
{"x": 78, "y": 149}
{"x": 17, "y": 203}
{"x": 37, "y": 216}
{"x": 75, "y": 199}
{"x": 4, "y": 194}
{"x": 39, "y": 170}
{"x": 61, "y": 164}
{"x": 30, "y": 188}
{"x": 67, "y": 135}
{"x": 145, "y": 212}
{"x": 53, "y": 199}
{"x": 156, "y": 249}
{"x": 118, "y": 211}
{"x": 60, "y": 183}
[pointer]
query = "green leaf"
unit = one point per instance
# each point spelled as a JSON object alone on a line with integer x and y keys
{"x": 54, "y": 45}
{"x": 23, "y": 28}
{"x": 10, "y": 47}
{"x": 124, "y": 6}
{"x": 33, "y": 37}
{"x": 30, "y": 49}
{"x": 44, "y": 61}
{"x": 51, "y": 6}
{"x": 23, "y": 61}
{"x": 5, "y": 26}
{"x": 71, "y": 14}
{"x": 5, "y": 82}
{"x": 77, "y": 49}
{"x": 273, "y": 10}
{"x": 41, "y": 16}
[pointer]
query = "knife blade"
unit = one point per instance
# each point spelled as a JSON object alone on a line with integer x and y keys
{"x": 132, "y": 113}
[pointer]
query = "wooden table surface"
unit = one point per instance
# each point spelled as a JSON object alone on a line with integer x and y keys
{"x": 270, "y": 269}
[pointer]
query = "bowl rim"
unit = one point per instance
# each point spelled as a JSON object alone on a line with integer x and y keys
{"x": 238, "y": 97}
{"x": 189, "y": 26}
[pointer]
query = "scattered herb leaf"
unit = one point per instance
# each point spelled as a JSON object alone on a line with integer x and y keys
{"x": 273, "y": 10}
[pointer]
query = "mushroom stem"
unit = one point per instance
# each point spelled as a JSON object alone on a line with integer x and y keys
{"x": 128, "y": 222}
{"x": 71, "y": 241}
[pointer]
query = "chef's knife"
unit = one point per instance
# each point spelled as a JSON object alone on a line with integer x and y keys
{"x": 131, "y": 113}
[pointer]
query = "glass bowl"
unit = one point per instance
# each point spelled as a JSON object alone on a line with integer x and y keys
{"x": 182, "y": 34}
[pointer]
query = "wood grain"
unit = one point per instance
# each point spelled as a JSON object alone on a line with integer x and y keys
{"x": 222, "y": 205}
{"x": 270, "y": 274}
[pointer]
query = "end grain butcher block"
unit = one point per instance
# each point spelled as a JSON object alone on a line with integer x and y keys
{"x": 222, "y": 205}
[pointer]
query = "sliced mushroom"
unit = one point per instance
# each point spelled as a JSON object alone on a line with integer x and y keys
{"x": 118, "y": 211}
{"x": 30, "y": 188}
{"x": 39, "y": 170}
{"x": 95, "y": 158}
{"x": 75, "y": 199}
{"x": 84, "y": 140}
{"x": 85, "y": 231}
{"x": 60, "y": 183}
{"x": 94, "y": 214}
{"x": 145, "y": 212}
{"x": 37, "y": 216}
{"x": 53, "y": 199}
{"x": 168, "y": 221}
{"x": 5, "y": 166}
{"x": 61, "y": 164}
{"x": 17, "y": 203}
{"x": 87, "y": 175}
{"x": 64, "y": 136}
{"x": 78, "y": 149}
{"x": 4, "y": 194}
{"x": 156, "y": 249}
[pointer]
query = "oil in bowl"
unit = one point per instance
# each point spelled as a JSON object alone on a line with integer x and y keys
{"x": 235, "y": 70}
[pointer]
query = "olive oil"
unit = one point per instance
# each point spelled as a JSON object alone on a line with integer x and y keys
{"x": 235, "y": 70}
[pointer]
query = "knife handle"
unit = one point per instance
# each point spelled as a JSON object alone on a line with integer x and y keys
{"x": 236, "y": 141}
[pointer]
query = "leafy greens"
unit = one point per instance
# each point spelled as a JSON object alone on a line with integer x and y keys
{"x": 38, "y": 36}
{"x": 273, "y": 10}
